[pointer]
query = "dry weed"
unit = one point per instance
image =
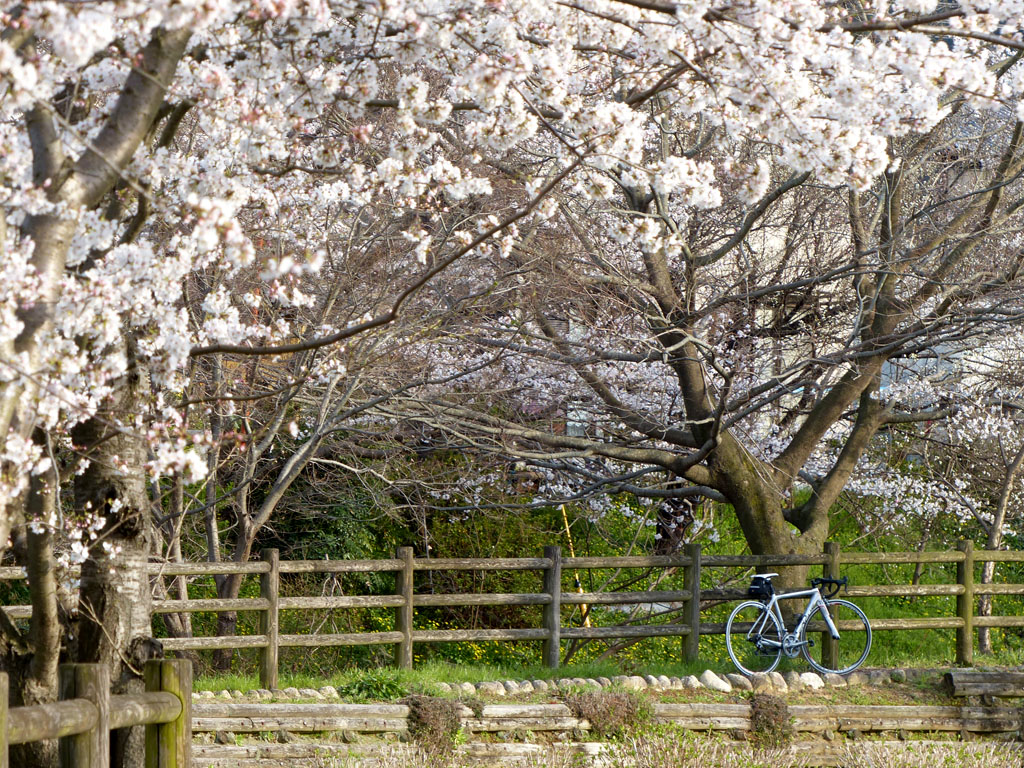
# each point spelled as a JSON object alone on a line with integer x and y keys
{"x": 921, "y": 755}
{"x": 610, "y": 713}
{"x": 678, "y": 749}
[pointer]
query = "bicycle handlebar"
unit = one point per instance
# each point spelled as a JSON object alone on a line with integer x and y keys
{"x": 833, "y": 585}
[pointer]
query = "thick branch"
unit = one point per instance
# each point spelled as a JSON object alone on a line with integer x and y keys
{"x": 502, "y": 429}
{"x": 824, "y": 415}
{"x": 106, "y": 157}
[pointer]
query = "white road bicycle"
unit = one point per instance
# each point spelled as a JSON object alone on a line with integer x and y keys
{"x": 756, "y": 634}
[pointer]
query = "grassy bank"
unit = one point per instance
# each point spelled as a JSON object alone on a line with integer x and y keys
{"x": 390, "y": 684}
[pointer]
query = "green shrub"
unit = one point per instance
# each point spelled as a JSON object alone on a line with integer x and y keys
{"x": 374, "y": 685}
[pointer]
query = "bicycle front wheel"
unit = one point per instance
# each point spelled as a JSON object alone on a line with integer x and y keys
{"x": 853, "y": 645}
{"x": 753, "y": 637}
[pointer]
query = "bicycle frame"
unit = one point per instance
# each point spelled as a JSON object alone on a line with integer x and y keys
{"x": 815, "y": 601}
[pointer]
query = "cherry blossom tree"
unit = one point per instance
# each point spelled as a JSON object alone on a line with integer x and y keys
{"x": 734, "y": 338}
{"x": 973, "y": 459}
{"x": 752, "y": 358}
{"x": 162, "y": 156}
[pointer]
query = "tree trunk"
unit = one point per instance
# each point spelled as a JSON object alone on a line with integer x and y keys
{"x": 988, "y": 570}
{"x": 994, "y": 540}
{"x": 919, "y": 567}
{"x": 230, "y": 584}
{"x": 32, "y": 666}
{"x": 759, "y": 509}
{"x": 176, "y": 624}
{"x": 227, "y": 623}
{"x": 228, "y": 589}
{"x": 115, "y": 597}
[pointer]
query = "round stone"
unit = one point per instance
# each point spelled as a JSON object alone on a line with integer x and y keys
{"x": 713, "y": 682}
{"x": 812, "y": 681}
{"x": 759, "y": 681}
{"x": 739, "y": 682}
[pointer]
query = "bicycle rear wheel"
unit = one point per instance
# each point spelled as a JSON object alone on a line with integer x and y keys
{"x": 753, "y": 637}
{"x": 854, "y": 642}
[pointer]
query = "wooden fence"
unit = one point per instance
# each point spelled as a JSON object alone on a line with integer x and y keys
{"x": 87, "y": 713}
{"x": 405, "y": 598}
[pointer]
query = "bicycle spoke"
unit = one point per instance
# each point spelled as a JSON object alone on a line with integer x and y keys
{"x": 853, "y": 645}
{"x": 753, "y": 638}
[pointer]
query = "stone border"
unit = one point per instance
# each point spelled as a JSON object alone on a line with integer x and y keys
{"x": 724, "y": 683}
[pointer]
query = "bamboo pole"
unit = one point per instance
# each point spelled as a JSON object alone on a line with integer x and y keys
{"x": 584, "y": 608}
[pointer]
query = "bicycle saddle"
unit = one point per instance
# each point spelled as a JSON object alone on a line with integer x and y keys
{"x": 764, "y": 575}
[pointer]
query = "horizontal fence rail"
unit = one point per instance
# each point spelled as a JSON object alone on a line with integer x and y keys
{"x": 87, "y": 713}
{"x": 684, "y": 604}
{"x": 212, "y": 716}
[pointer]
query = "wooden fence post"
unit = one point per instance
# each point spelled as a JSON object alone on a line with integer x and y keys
{"x": 403, "y": 613}
{"x": 552, "y": 653}
{"x": 270, "y": 590}
{"x": 91, "y": 682}
{"x": 965, "y": 605}
{"x": 169, "y": 745}
{"x": 830, "y": 570}
{"x": 691, "y": 580}
{"x": 5, "y": 687}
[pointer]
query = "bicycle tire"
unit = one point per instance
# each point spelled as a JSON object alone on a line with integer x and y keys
{"x": 747, "y": 653}
{"x": 854, "y": 642}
